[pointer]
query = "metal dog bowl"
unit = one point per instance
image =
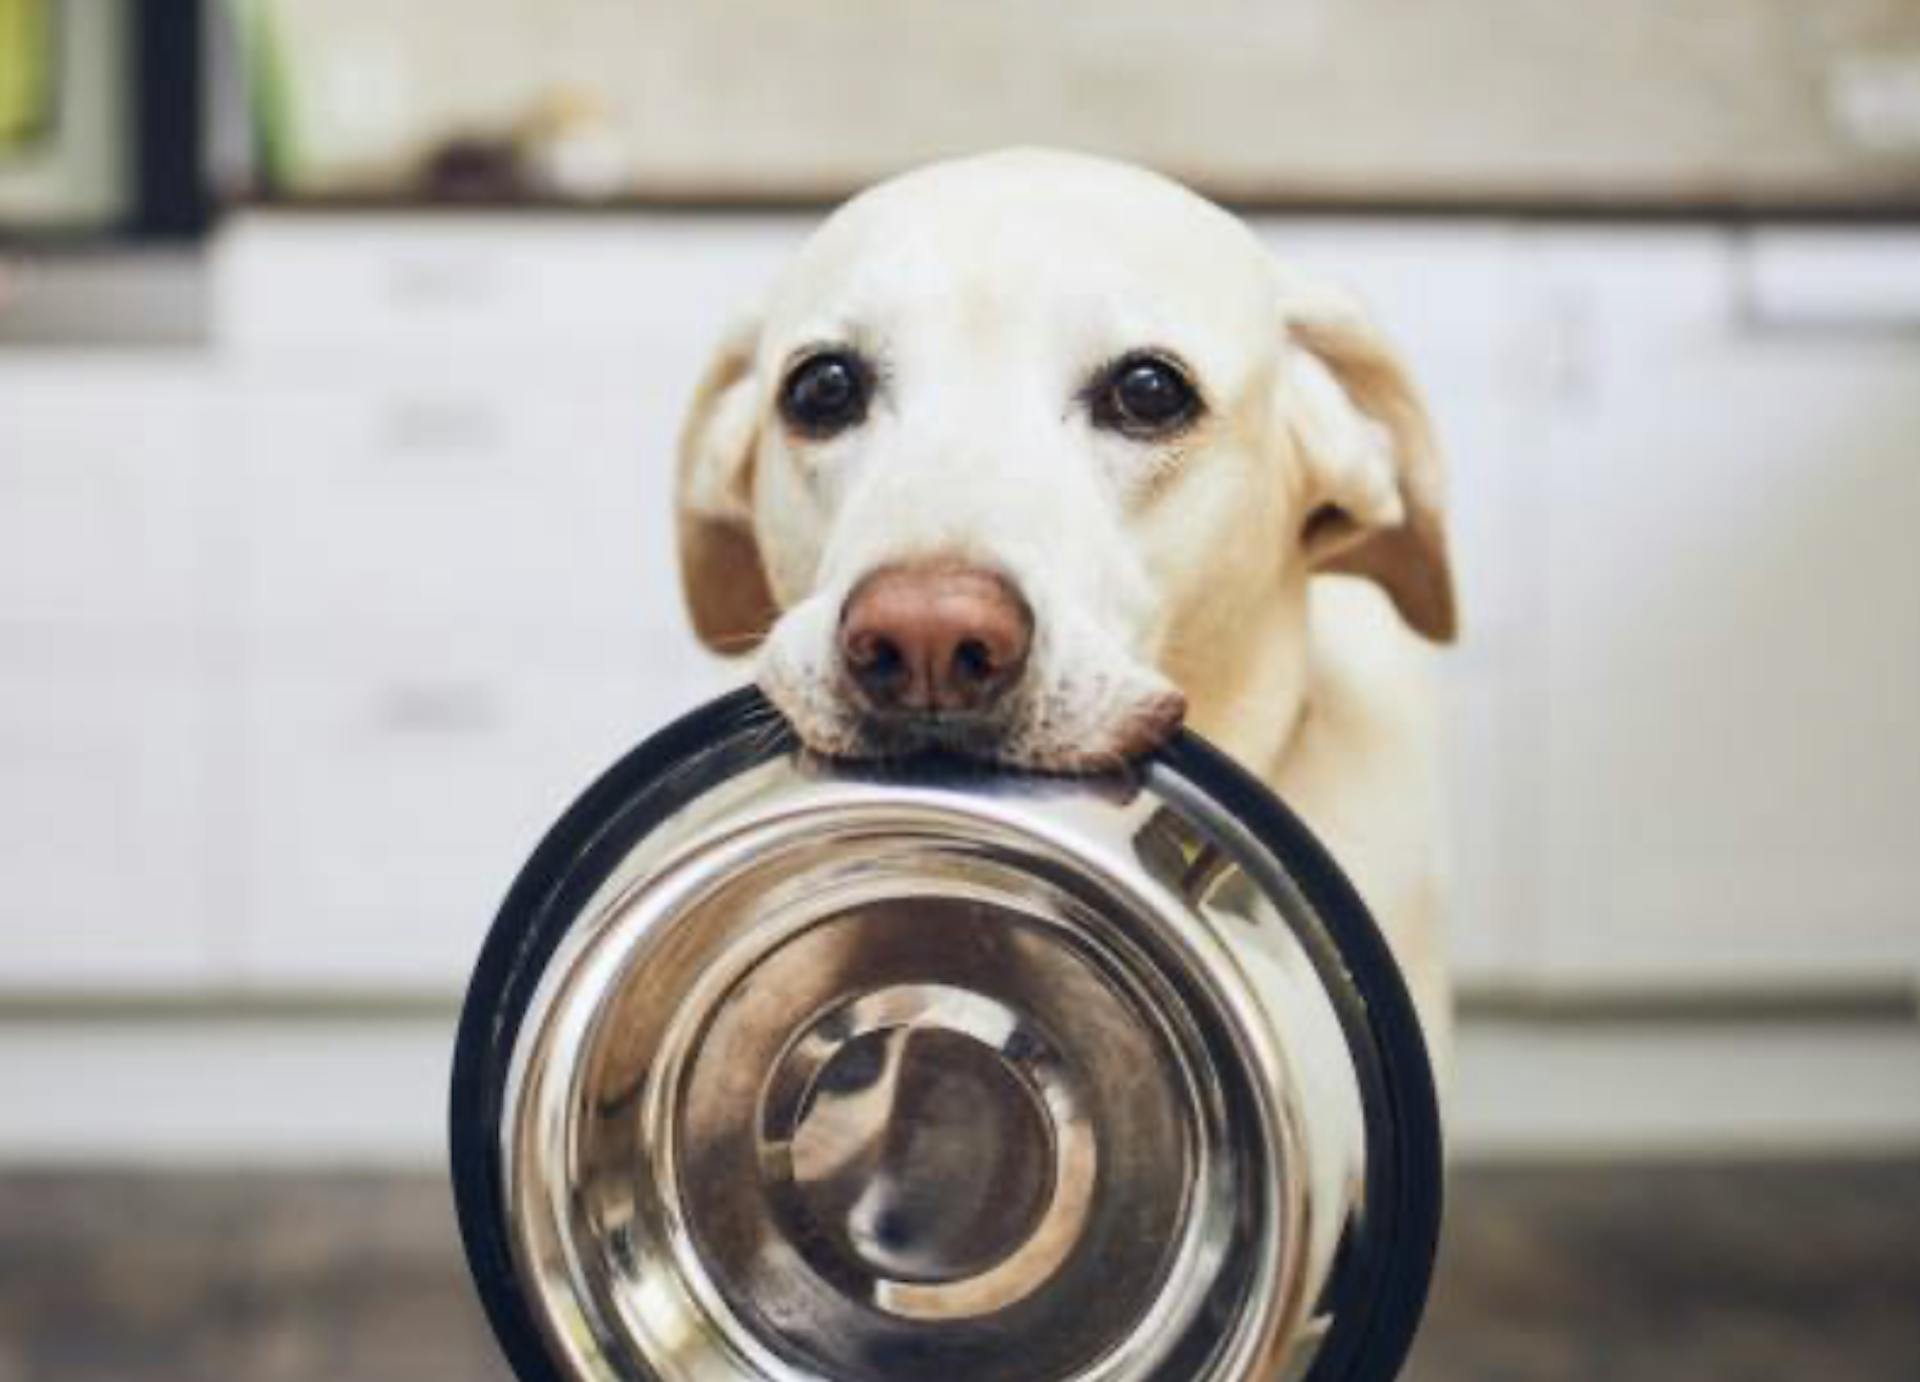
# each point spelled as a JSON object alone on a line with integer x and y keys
{"x": 774, "y": 1069}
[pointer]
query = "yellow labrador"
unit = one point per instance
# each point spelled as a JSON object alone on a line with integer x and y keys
{"x": 1030, "y": 454}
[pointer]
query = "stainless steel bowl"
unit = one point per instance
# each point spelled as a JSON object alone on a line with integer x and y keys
{"x": 777, "y": 1069}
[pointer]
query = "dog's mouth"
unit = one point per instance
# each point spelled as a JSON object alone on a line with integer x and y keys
{"x": 982, "y": 737}
{"x": 996, "y": 741}
{"x": 1084, "y": 711}
{"x": 1017, "y": 736}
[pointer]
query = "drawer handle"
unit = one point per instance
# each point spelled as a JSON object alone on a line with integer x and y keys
{"x": 438, "y": 708}
{"x": 1837, "y": 283}
{"x": 438, "y": 426}
{"x": 441, "y": 282}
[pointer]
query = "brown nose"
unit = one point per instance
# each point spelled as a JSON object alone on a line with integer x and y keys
{"x": 934, "y": 638}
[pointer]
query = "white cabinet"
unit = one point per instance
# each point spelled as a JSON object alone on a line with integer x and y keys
{"x": 105, "y": 878}
{"x": 303, "y": 640}
{"x": 391, "y": 802}
{"x": 518, "y": 286}
{"x": 444, "y": 498}
{"x": 456, "y": 586}
{"x": 1732, "y": 770}
{"x": 459, "y": 605}
{"x": 1683, "y": 727}
{"x": 101, "y": 526}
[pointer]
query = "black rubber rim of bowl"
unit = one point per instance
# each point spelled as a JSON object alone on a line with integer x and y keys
{"x": 711, "y": 743}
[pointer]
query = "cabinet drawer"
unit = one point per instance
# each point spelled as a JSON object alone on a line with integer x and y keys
{"x": 1733, "y": 749}
{"x": 100, "y": 495}
{"x": 388, "y": 809}
{"x": 434, "y": 284}
{"x": 427, "y": 505}
{"x": 103, "y": 826}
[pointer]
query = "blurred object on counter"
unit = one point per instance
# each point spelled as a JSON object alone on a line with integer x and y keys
{"x": 573, "y": 146}
{"x": 564, "y": 148}
{"x": 474, "y": 168}
{"x": 27, "y": 86}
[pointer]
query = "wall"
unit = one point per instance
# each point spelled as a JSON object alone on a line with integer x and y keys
{"x": 1717, "y": 102}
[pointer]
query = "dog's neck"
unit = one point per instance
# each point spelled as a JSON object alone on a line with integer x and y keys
{"x": 1248, "y": 680}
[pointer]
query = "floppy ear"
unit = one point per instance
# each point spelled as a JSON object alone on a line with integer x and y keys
{"x": 1377, "y": 485}
{"x": 721, "y": 573}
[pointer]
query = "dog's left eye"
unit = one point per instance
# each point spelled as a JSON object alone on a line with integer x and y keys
{"x": 1144, "y": 396}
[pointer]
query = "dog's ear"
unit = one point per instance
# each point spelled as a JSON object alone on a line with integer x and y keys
{"x": 1377, "y": 488}
{"x": 721, "y": 572}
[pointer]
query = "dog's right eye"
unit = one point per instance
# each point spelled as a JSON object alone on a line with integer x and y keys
{"x": 825, "y": 393}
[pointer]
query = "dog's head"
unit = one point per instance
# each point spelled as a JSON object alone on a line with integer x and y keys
{"x": 1022, "y": 441}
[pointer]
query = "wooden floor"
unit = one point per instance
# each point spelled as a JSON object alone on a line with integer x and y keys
{"x": 1680, "y": 1275}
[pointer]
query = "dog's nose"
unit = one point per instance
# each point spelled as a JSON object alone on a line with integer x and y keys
{"x": 927, "y": 638}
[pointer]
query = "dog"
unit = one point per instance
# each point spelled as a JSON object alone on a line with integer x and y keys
{"x": 1033, "y": 456}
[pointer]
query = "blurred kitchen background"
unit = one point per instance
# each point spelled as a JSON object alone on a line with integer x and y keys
{"x": 342, "y": 348}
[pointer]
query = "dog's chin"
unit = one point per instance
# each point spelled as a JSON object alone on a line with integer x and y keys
{"x": 1085, "y": 706}
{"x": 836, "y": 726}
{"x": 981, "y": 738}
